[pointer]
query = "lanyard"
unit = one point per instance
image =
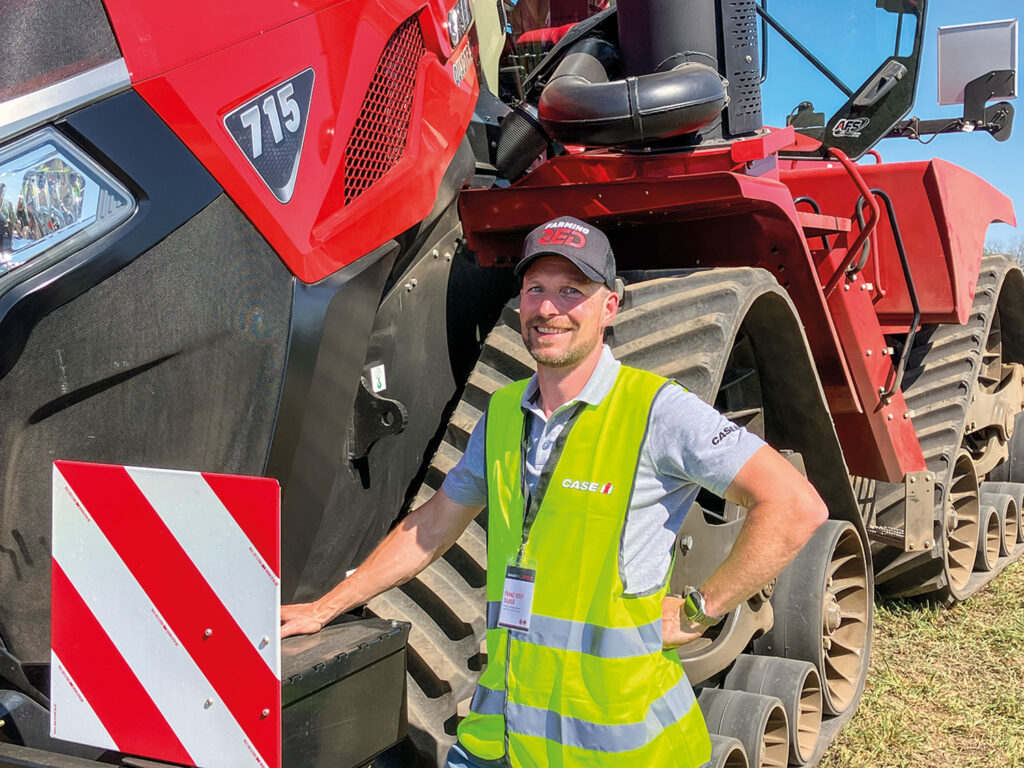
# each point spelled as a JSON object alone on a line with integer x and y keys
{"x": 533, "y": 500}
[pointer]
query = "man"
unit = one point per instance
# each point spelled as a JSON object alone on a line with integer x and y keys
{"x": 587, "y": 470}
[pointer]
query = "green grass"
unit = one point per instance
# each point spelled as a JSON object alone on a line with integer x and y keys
{"x": 945, "y": 686}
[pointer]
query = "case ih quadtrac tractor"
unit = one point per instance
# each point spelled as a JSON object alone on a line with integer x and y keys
{"x": 273, "y": 239}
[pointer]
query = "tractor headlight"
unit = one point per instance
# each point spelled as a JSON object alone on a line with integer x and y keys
{"x": 460, "y": 18}
{"x": 53, "y": 199}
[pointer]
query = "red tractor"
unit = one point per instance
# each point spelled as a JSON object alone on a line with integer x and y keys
{"x": 272, "y": 240}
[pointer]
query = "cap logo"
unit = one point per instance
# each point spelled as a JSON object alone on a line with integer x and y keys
{"x": 564, "y": 236}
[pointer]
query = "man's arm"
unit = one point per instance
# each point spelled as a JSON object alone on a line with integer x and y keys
{"x": 783, "y": 510}
{"x": 422, "y": 537}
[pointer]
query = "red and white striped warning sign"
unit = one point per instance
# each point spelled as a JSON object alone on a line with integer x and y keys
{"x": 166, "y": 599}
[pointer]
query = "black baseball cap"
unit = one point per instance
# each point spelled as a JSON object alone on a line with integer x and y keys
{"x": 581, "y": 243}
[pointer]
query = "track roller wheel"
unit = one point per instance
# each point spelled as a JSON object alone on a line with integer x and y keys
{"x": 989, "y": 539}
{"x": 797, "y": 686}
{"x": 960, "y": 528}
{"x": 727, "y": 752}
{"x": 1010, "y": 517}
{"x": 758, "y": 722}
{"x": 1015, "y": 491}
{"x": 1009, "y": 514}
{"x": 823, "y": 613}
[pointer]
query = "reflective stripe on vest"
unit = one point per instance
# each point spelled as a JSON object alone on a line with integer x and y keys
{"x": 608, "y": 642}
{"x": 588, "y": 684}
{"x": 620, "y": 737}
{"x": 532, "y": 721}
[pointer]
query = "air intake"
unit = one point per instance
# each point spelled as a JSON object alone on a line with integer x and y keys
{"x": 378, "y": 139}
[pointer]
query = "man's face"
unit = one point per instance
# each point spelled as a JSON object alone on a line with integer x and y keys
{"x": 563, "y": 313}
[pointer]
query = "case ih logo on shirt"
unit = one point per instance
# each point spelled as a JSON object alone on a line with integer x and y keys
{"x": 581, "y": 485}
{"x": 721, "y": 435}
{"x": 564, "y": 233}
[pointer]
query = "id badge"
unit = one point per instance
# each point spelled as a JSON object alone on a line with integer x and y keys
{"x": 517, "y": 598}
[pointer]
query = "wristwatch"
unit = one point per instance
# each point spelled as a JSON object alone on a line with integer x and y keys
{"x": 693, "y": 609}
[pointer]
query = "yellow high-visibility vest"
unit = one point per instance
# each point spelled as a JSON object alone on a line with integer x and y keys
{"x": 588, "y": 684}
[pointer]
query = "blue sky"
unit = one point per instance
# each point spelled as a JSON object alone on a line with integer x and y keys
{"x": 861, "y": 38}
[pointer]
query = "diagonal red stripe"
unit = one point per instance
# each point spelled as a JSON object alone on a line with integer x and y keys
{"x": 185, "y": 599}
{"x": 105, "y": 679}
{"x": 256, "y": 507}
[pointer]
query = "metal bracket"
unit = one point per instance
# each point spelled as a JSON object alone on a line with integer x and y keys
{"x": 373, "y": 417}
{"x": 918, "y": 516}
{"x": 998, "y": 408}
{"x": 978, "y": 92}
{"x": 13, "y": 672}
{"x": 919, "y": 511}
{"x": 992, "y": 415}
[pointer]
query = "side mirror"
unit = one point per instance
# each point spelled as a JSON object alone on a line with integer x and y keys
{"x": 969, "y": 51}
{"x": 977, "y": 64}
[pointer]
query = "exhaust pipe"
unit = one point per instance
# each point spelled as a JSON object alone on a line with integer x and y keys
{"x": 583, "y": 104}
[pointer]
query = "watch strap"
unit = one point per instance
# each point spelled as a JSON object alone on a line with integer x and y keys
{"x": 693, "y": 609}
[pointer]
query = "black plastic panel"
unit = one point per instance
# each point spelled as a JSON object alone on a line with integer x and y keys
{"x": 414, "y": 305}
{"x": 174, "y": 361}
{"x": 125, "y": 136}
{"x": 45, "y": 41}
{"x": 332, "y": 320}
{"x": 140, "y": 347}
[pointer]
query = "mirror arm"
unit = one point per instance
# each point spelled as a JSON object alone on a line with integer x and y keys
{"x": 996, "y": 119}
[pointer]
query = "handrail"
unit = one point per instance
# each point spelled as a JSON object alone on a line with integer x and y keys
{"x": 866, "y": 249}
{"x": 883, "y": 393}
{"x": 817, "y": 209}
{"x": 855, "y": 248}
{"x": 810, "y": 201}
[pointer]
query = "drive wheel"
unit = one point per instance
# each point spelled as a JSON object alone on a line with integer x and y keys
{"x": 823, "y": 613}
{"x": 960, "y": 528}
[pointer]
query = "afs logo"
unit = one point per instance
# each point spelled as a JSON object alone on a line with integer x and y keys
{"x": 850, "y": 127}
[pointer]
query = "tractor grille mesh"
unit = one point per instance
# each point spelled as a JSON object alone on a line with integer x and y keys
{"x": 378, "y": 139}
{"x": 742, "y": 61}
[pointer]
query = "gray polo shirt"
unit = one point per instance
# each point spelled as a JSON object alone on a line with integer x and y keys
{"x": 688, "y": 444}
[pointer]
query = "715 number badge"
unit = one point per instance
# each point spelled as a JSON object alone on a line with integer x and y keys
{"x": 269, "y": 130}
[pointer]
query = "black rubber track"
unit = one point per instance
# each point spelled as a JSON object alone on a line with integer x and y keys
{"x": 681, "y": 327}
{"x": 941, "y": 377}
